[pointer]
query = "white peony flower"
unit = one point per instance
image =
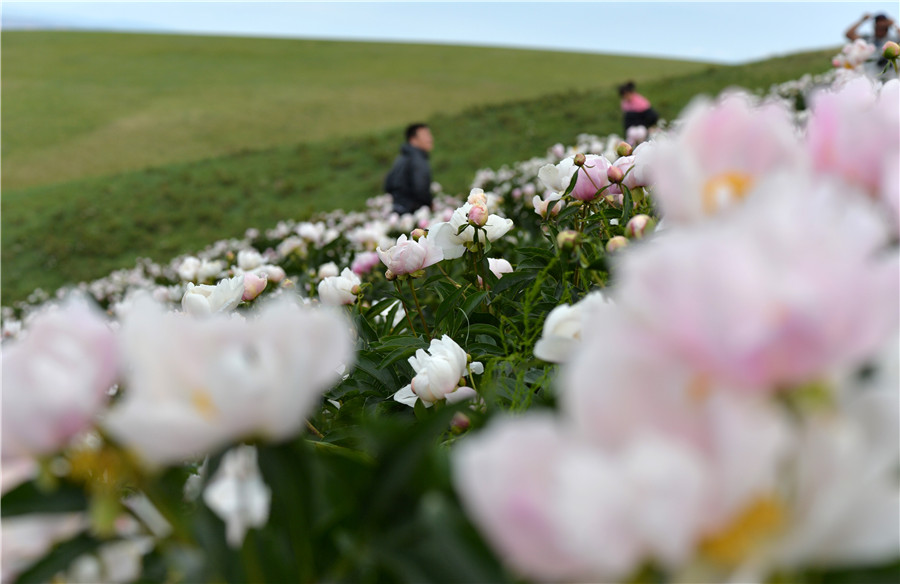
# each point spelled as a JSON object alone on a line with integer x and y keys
{"x": 188, "y": 268}
{"x": 197, "y": 384}
{"x": 338, "y": 290}
{"x": 410, "y": 256}
{"x": 438, "y": 373}
{"x": 327, "y": 271}
{"x": 248, "y": 259}
{"x": 448, "y": 237}
{"x": 562, "y": 328}
{"x": 223, "y": 297}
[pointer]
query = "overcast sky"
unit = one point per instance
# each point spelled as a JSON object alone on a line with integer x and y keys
{"x": 727, "y": 32}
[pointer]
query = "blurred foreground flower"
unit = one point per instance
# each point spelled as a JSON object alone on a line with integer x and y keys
{"x": 56, "y": 378}
{"x": 194, "y": 385}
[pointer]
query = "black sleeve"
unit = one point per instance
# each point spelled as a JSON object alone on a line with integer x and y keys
{"x": 420, "y": 178}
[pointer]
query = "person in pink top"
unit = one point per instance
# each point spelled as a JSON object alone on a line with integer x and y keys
{"x": 636, "y": 109}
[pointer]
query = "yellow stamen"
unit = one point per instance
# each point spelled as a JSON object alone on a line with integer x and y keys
{"x": 757, "y": 522}
{"x": 203, "y": 403}
{"x": 725, "y": 188}
{"x": 699, "y": 388}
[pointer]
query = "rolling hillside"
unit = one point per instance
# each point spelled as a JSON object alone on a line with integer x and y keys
{"x": 79, "y": 104}
{"x": 82, "y": 229}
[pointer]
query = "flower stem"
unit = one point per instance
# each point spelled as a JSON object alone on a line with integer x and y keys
{"x": 405, "y": 309}
{"x": 418, "y": 307}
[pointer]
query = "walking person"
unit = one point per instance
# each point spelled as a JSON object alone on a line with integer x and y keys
{"x": 409, "y": 180}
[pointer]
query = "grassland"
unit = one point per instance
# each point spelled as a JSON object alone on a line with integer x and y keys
{"x": 78, "y": 104}
{"x": 78, "y": 230}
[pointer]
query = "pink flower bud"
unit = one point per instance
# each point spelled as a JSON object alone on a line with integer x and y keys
{"x": 615, "y": 243}
{"x": 638, "y": 226}
{"x": 478, "y": 215}
{"x": 624, "y": 149}
{"x": 890, "y": 50}
{"x": 460, "y": 422}
{"x": 253, "y": 286}
{"x": 580, "y": 159}
{"x": 615, "y": 174}
{"x": 417, "y": 234}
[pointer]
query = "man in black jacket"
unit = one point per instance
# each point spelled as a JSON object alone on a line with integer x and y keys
{"x": 409, "y": 181}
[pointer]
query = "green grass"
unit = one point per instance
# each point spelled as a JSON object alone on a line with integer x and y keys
{"x": 79, "y": 104}
{"x": 81, "y": 230}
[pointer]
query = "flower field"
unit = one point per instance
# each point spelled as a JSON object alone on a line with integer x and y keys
{"x": 672, "y": 360}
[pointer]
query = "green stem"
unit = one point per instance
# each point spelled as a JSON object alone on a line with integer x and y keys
{"x": 441, "y": 268}
{"x": 405, "y": 309}
{"x": 419, "y": 307}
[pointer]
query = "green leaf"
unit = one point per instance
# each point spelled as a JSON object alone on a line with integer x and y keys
{"x": 28, "y": 498}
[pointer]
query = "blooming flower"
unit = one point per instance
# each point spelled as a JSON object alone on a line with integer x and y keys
{"x": 364, "y": 262}
{"x": 438, "y": 372}
{"x": 223, "y": 297}
{"x": 591, "y": 176}
{"x": 854, "y": 133}
{"x": 56, "y": 378}
{"x": 499, "y": 266}
{"x": 238, "y": 495}
{"x": 563, "y": 326}
{"x": 718, "y": 153}
{"x": 338, "y": 290}
{"x": 196, "y": 384}
{"x": 248, "y": 259}
{"x": 770, "y": 296}
{"x": 253, "y": 286}
{"x": 327, "y": 271}
{"x": 410, "y": 256}
{"x": 453, "y": 242}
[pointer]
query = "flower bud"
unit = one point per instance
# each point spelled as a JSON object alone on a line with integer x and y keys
{"x": 477, "y": 197}
{"x": 638, "y": 226}
{"x": 418, "y": 234}
{"x": 624, "y": 149}
{"x": 459, "y": 423}
{"x": 890, "y": 51}
{"x": 478, "y": 215}
{"x": 253, "y": 286}
{"x": 616, "y": 243}
{"x": 580, "y": 159}
{"x": 567, "y": 239}
{"x": 615, "y": 174}
{"x": 391, "y": 276}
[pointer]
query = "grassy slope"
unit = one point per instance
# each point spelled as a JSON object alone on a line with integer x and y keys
{"x": 81, "y": 230}
{"x": 70, "y": 99}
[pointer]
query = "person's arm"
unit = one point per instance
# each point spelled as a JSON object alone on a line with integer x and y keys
{"x": 851, "y": 33}
{"x": 421, "y": 181}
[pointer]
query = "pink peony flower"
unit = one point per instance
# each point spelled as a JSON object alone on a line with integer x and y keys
{"x": 56, "y": 379}
{"x": 716, "y": 156}
{"x": 410, "y": 256}
{"x": 770, "y": 297}
{"x": 854, "y": 133}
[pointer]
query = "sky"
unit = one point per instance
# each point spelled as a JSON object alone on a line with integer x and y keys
{"x": 722, "y": 32}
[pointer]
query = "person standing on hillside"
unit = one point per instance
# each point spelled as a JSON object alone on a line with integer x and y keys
{"x": 409, "y": 180}
{"x": 884, "y": 29}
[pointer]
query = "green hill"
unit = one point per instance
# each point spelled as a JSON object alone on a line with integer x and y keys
{"x": 79, "y": 104}
{"x": 83, "y": 229}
